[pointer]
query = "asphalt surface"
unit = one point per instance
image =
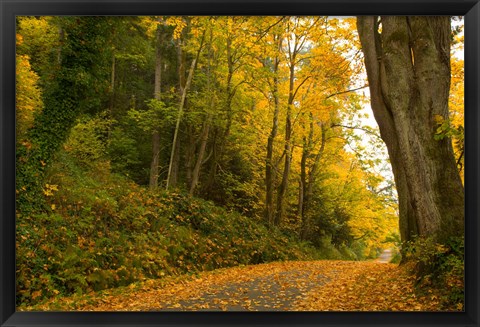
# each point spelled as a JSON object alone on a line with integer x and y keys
{"x": 385, "y": 256}
{"x": 276, "y": 292}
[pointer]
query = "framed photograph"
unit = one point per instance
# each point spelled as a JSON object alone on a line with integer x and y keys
{"x": 185, "y": 163}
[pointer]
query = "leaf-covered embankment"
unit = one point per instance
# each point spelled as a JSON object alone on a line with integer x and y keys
{"x": 102, "y": 231}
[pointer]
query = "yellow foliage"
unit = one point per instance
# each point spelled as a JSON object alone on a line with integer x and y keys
{"x": 456, "y": 103}
{"x": 150, "y": 25}
{"x": 179, "y": 23}
{"x": 28, "y": 94}
{"x": 49, "y": 189}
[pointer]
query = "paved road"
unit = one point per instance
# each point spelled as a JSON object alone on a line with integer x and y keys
{"x": 278, "y": 290}
{"x": 270, "y": 293}
{"x": 277, "y": 286}
{"x": 385, "y": 256}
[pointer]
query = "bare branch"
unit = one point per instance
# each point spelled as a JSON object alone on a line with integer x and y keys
{"x": 347, "y": 91}
{"x": 357, "y": 127}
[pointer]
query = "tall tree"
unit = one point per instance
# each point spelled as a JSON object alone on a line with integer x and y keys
{"x": 233, "y": 37}
{"x": 307, "y": 179}
{"x": 296, "y": 41}
{"x": 408, "y": 67}
{"x": 210, "y": 75}
{"x": 184, "y": 87}
{"x": 270, "y": 166}
{"x": 157, "y": 96}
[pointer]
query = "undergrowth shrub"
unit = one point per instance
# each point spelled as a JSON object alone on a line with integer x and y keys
{"x": 439, "y": 266}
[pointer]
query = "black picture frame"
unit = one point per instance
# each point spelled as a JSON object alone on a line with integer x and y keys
{"x": 10, "y": 8}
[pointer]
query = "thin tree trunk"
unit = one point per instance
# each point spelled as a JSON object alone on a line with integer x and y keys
{"x": 312, "y": 175}
{"x": 112, "y": 85}
{"x": 301, "y": 192}
{"x": 307, "y": 144}
{"x": 157, "y": 95}
{"x": 190, "y": 149}
{"x": 177, "y": 126}
{"x": 269, "y": 165}
{"x": 174, "y": 164}
{"x": 174, "y": 151}
{"x": 229, "y": 94}
{"x": 270, "y": 174}
{"x": 282, "y": 190}
{"x": 208, "y": 121}
{"x": 201, "y": 154}
{"x": 155, "y": 160}
{"x": 308, "y": 180}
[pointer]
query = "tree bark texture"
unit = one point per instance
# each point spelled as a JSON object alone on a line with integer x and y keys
{"x": 408, "y": 67}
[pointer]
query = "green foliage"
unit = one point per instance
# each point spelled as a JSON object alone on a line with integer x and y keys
{"x": 158, "y": 115}
{"x": 28, "y": 96}
{"x": 396, "y": 258}
{"x": 122, "y": 151}
{"x": 40, "y": 40}
{"x": 76, "y": 86}
{"x": 87, "y": 141}
{"x": 439, "y": 266}
{"x": 395, "y": 243}
{"x": 445, "y": 128}
{"x": 236, "y": 194}
{"x": 129, "y": 150}
{"x": 456, "y": 132}
{"x": 327, "y": 249}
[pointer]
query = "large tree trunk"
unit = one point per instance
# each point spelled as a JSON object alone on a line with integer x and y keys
{"x": 408, "y": 68}
{"x": 79, "y": 53}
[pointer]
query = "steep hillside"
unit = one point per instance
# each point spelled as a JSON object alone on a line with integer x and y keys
{"x": 99, "y": 230}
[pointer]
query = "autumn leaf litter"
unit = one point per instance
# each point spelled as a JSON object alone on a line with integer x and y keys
{"x": 280, "y": 286}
